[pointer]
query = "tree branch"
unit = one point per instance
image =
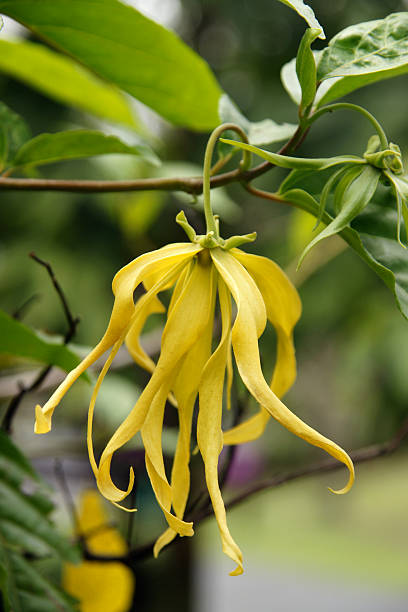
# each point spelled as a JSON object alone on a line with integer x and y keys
{"x": 361, "y": 455}
{"x": 193, "y": 185}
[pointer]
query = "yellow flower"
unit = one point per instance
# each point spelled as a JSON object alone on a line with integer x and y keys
{"x": 99, "y": 585}
{"x": 204, "y": 275}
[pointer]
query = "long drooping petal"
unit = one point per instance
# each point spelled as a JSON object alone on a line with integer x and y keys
{"x": 152, "y": 440}
{"x": 123, "y": 285}
{"x": 247, "y": 327}
{"x": 185, "y": 391}
{"x": 140, "y": 308}
{"x": 209, "y": 433}
{"x": 132, "y": 339}
{"x": 283, "y": 309}
{"x": 184, "y": 326}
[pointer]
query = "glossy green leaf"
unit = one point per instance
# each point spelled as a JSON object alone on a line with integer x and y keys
{"x": 305, "y": 11}
{"x": 354, "y": 195}
{"x": 306, "y": 68}
{"x": 262, "y": 132}
{"x": 62, "y": 79}
{"x": 18, "y": 339}
{"x": 381, "y": 63}
{"x": 123, "y": 46}
{"x": 363, "y": 54}
{"x": 290, "y": 81}
{"x": 14, "y": 132}
{"x": 373, "y": 236}
{"x": 74, "y": 144}
{"x": 285, "y": 161}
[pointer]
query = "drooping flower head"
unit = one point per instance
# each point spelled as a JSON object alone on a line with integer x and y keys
{"x": 207, "y": 276}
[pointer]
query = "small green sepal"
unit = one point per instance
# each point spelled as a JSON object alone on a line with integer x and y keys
{"x": 181, "y": 219}
{"x": 236, "y": 241}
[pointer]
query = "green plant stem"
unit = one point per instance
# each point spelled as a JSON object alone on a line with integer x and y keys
{"x": 358, "y": 109}
{"x": 212, "y": 141}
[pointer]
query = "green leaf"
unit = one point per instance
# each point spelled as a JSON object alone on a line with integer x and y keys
{"x": 262, "y": 132}
{"x": 123, "y": 46}
{"x": 13, "y": 462}
{"x": 373, "y": 236}
{"x": 285, "y": 161}
{"x": 306, "y": 68}
{"x": 25, "y": 529}
{"x": 62, "y": 79}
{"x": 363, "y": 54}
{"x": 74, "y": 144}
{"x": 290, "y": 81}
{"x": 25, "y": 589}
{"x": 354, "y": 196}
{"x": 14, "y": 132}
{"x": 307, "y": 13}
{"x": 18, "y": 339}
{"x": 309, "y": 180}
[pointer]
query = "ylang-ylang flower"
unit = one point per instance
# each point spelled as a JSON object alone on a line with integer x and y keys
{"x": 203, "y": 281}
{"x": 210, "y": 279}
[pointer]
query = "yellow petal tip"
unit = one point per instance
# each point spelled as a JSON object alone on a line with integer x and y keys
{"x": 188, "y": 531}
{"x": 350, "y": 483}
{"x": 42, "y": 423}
{"x": 238, "y": 571}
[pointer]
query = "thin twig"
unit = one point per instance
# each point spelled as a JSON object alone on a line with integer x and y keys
{"x": 367, "y": 453}
{"x": 72, "y": 322}
{"x": 20, "y": 312}
{"x": 267, "y": 195}
{"x": 72, "y": 325}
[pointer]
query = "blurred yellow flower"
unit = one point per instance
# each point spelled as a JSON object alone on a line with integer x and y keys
{"x": 204, "y": 275}
{"x": 98, "y": 585}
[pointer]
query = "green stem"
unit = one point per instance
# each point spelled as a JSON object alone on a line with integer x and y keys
{"x": 354, "y": 107}
{"x": 212, "y": 141}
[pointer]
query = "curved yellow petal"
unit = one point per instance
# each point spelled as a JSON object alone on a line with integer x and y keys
{"x": 139, "y": 309}
{"x": 230, "y": 377}
{"x": 245, "y": 335}
{"x": 185, "y": 390}
{"x": 282, "y": 301}
{"x": 209, "y": 433}
{"x": 92, "y": 403}
{"x": 132, "y": 339}
{"x": 163, "y": 540}
{"x": 123, "y": 285}
{"x": 283, "y": 309}
{"x": 152, "y": 441}
{"x": 155, "y": 306}
{"x": 183, "y": 328}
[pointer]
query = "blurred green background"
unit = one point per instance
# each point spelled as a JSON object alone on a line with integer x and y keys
{"x": 352, "y": 343}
